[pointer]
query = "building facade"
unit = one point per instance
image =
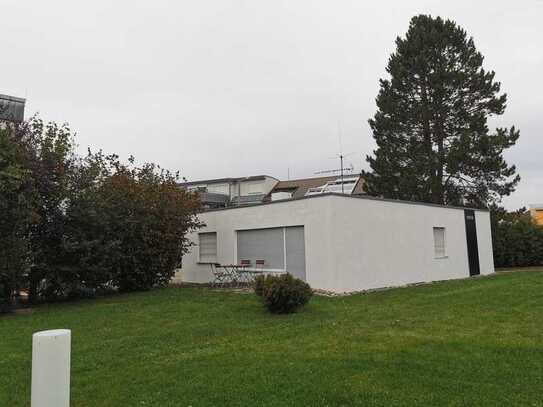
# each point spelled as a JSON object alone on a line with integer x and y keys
{"x": 345, "y": 243}
{"x": 537, "y": 213}
{"x": 225, "y": 192}
{"x": 12, "y": 109}
{"x": 298, "y": 188}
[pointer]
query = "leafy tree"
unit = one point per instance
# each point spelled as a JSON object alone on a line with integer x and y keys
{"x": 15, "y": 216}
{"x": 433, "y": 141}
{"x": 517, "y": 241}
{"x": 51, "y": 160}
{"x": 72, "y": 225}
{"x": 126, "y": 225}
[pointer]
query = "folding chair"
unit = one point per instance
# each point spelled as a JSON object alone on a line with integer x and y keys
{"x": 220, "y": 275}
{"x": 258, "y": 270}
{"x": 245, "y": 274}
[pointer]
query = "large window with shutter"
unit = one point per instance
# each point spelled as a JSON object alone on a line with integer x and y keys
{"x": 440, "y": 249}
{"x": 263, "y": 244}
{"x": 207, "y": 246}
{"x": 280, "y": 249}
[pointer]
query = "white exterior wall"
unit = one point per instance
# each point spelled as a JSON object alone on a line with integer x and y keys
{"x": 354, "y": 244}
{"x": 382, "y": 244}
{"x": 290, "y": 213}
{"x": 484, "y": 241}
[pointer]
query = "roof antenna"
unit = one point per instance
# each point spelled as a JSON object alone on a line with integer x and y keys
{"x": 341, "y": 156}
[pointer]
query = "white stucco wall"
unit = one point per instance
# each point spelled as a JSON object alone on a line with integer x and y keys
{"x": 484, "y": 240}
{"x": 382, "y": 244}
{"x": 290, "y": 213}
{"x": 354, "y": 244}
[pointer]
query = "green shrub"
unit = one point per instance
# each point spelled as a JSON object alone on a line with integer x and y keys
{"x": 282, "y": 294}
{"x": 5, "y": 298}
{"x": 517, "y": 241}
{"x": 260, "y": 282}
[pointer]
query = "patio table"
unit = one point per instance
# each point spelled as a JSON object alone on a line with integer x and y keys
{"x": 240, "y": 274}
{"x": 251, "y": 274}
{"x": 233, "y": 271}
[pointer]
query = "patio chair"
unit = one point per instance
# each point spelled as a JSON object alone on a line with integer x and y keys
{"x": 220, "y": 275}
{"x": 256, "y": 271}
{"x": 245, "y": 263}
{"x": 244, "y": 273}
{"x": 259, "y": 265}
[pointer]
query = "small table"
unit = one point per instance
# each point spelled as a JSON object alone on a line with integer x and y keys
{"x": 233, "y": 272}
{"x": 240, "y": 274}
{"x": 251, "y": 274}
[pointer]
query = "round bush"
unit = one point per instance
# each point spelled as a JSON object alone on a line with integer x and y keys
{"x": 282, "y": 294}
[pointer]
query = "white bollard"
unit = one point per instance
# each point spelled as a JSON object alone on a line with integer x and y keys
{"x": 51, "y": 368}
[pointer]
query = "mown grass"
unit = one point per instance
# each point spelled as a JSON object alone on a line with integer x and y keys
{"x": 471, "y": 342}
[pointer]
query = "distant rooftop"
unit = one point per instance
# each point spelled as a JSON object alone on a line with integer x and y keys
{"x": 225, "y": 180}
{"x": 299, "y": 187}
{"x": 12, "y": 98}
{"x": 12, "y": 109}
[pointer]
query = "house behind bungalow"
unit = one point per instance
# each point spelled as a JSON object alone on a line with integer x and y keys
{"x": 537, "y": 213}
{"x": 226, "y": 192}
{"x": 256, "y": 189}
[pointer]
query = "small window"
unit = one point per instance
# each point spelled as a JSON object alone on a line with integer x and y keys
{"x": 208, "y": 247}
{"x": 439, "y": 243}
{"x": 255, "y": 188}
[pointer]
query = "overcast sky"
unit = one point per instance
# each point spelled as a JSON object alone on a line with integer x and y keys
{"x": 234, "y": 88}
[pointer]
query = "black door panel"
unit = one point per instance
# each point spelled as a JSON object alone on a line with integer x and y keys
{"x": 471, "y": 239}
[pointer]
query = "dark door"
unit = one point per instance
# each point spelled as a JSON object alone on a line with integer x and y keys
{"x": 471, "y": 239}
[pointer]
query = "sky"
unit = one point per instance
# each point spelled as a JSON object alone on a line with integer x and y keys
{"x": 234, "y": 88}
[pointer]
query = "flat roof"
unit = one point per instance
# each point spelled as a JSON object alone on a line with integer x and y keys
{"x": 366, "y": 197}
{"x": 223, "y": 180}
{"x": 12, "y": 98}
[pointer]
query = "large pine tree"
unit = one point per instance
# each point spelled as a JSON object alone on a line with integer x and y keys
{"x": 433, "y": 141}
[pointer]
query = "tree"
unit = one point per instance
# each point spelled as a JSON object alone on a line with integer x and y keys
{"x": 126, "y": 225}
{"x": 71, "y": 225}
{"x": 15, "y": 216}
{"x": 51, "y": 160}
{"x": 517, "y": 241}
{"x": 433, "y": 141}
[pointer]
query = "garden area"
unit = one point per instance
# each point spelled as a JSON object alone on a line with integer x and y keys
{"x": 469, "y": 342}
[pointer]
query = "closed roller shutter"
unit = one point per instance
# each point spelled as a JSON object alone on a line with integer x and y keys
{"x": 270, "y": 245}
{"x": 295, "y": 244}
{"x": 262, "y": 244}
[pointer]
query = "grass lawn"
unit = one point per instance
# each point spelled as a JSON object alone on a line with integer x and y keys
{"x": 472, "y": 342}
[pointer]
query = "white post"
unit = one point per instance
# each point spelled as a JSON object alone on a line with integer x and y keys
{"x": 51, "y": 368}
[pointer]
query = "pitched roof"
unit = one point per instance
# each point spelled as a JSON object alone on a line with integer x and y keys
{"x": 359, "y": 187}
{"x": 300, "y": 186}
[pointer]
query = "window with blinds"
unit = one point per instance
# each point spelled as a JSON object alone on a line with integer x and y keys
{"x": 439, "y": 242}
{"x": 208, "y": 247}
{"x": 280, "y": 249}
{"x": 263, "y": 244}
